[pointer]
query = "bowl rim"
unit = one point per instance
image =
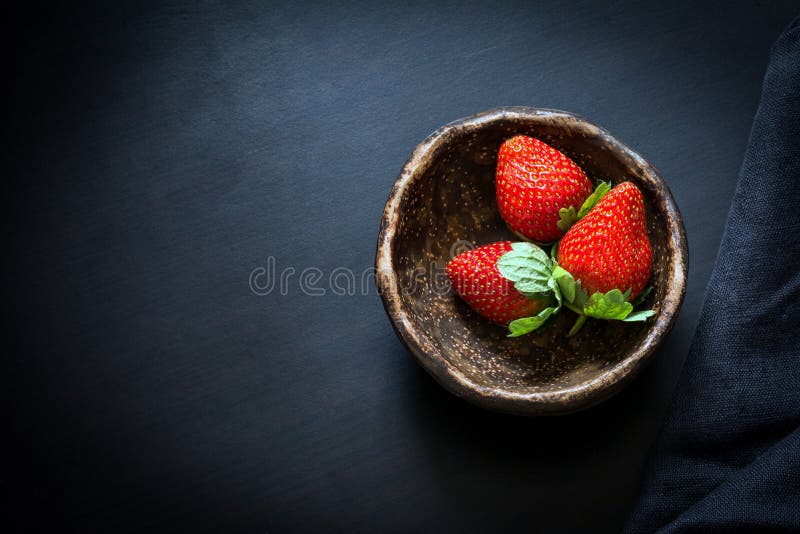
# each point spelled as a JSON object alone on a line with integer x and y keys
{"x": 427, "y": 353}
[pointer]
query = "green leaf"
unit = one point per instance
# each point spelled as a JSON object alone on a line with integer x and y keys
{"x": 565, "y": 282}
{"x": 643, "y": 295}
{"x": 533, "y": 288}
{"x": 529, "y": 248}
{"x": 580, "y": 296}
{"x": 529, "y": 324}
{"x": 599, "y": 192}
{"x": 527, "y": 266}
{"x": 553, "y": 284}
{"x": 548, "y": 297}
{"x": 611, "y": 305}
{"x": 627, "y": 294}
{"x": 641, "y": 315}
{"x": 568, "y": 217}
{"x": 554, "y": 251}
{"x": 577, "y": 326}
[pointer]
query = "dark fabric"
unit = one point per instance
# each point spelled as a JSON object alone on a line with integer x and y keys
{"x": 728, "y": 457}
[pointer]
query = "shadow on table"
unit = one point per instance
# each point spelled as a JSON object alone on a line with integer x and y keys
{"x": 571, "y": 472}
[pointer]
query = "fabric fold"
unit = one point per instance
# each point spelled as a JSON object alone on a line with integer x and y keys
{"x": 728, "y": 455}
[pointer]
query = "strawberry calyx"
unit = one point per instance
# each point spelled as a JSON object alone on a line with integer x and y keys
{"x": 538, "y": 275}
{"x": 613, "y": 305}
{"x": 569, "y": 216}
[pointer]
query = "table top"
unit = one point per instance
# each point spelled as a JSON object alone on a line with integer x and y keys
{"x": 165, "y": 155}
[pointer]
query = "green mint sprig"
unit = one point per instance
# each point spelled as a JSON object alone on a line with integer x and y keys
{"x": 538, "y": 275}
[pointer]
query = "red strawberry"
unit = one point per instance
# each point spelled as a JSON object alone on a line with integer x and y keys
{"x": 534, "y": 181}
{"x": 476, "y": 279}
{"x": 608, "y": 249}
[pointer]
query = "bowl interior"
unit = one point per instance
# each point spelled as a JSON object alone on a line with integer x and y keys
{"x": 449, "y": 205}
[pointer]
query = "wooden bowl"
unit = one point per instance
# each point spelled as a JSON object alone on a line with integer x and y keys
{"x": 444, "y": 202}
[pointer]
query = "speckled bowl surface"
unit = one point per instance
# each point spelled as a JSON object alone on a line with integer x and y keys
{"x": 444, "y": 202}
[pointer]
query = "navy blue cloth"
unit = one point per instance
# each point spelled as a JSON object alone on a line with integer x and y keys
{"x": 728, "y": 456}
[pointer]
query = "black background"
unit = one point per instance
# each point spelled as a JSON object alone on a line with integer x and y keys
{"x": 157, "y": 154}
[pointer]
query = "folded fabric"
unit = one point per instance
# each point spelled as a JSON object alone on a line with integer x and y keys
{"x": 728, "y": 456}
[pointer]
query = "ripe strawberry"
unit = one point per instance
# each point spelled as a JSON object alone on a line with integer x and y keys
{"x": 476, "y": 279}
{"x": 534, "y": 181}
{"x": 608, "y": 249}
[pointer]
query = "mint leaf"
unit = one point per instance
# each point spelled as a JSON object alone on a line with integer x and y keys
{"x": 599, "y": 192}
{"x": 533, "y": 288}
{"x": 554, "y": 251}
{"x": 529, "y": 248}
{"x": 553, "y": 284}
{"x": 568, "y": 217}
{"x": 548, "y": 297}
{"x": 611, "y": 305}
{"x": 529, "y": 324}
{"x": 565, "y": 282}
{"x": 639, "y": 315}
{"x": 527, "y": 266}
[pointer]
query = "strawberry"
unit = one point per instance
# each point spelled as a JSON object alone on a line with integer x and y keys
{"x": 608, "y": 248}
{"x": 475, "y": 277}
{"x": 534, "y": 183}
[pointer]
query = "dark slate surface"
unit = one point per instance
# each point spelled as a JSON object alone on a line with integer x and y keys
{"x": 159, "y": 154}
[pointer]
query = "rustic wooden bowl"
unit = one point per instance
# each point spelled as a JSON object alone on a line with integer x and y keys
{"x": 444, "y": 201}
